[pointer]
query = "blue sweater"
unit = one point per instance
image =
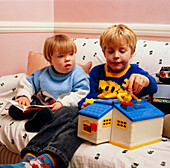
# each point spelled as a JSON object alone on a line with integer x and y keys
{"x": 104, "y": 84}
{"x": 68, "y": 88}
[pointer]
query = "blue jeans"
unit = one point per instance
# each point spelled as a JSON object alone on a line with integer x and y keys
{"x": 59, "y": 136}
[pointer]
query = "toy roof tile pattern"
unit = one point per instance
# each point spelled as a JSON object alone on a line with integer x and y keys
{"x": 140, "y": 111}
{"x": 137, "y": 112}
{"x": 96, "y": 110}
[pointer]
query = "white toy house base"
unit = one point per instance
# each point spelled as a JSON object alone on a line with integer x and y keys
{"x": 129, "y": 126}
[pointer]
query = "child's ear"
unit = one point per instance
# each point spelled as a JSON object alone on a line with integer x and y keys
{"x": 103, "y": 52}
{"x": 50, "y": 62}
{"x": 133, "y": 53}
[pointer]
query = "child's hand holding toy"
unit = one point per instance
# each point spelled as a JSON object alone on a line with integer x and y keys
{"x": 136, "y": 83}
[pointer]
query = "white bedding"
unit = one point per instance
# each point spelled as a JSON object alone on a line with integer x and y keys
{"x": 109, "y": 156}
{"x": 12, "y": 132}
{"x": 14, "y": 137}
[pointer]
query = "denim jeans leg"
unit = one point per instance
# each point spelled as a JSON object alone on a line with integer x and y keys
{"x": 66, "y": 143}
{"x": 59, "y": 136}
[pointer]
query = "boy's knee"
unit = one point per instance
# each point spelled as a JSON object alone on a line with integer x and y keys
{"x": 67, "y": 110}
{"x": 18, "y": 114}
{"x": 15, "y": 113}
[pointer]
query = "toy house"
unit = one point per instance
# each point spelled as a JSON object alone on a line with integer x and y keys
{"x": 127, "y": 126}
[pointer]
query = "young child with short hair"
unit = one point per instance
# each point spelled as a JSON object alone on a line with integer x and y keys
{"x": 63, "y": 83}
{"x": 117, "y": 76}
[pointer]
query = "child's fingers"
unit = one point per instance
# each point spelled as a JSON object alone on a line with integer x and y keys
{"x": 140, "y": 81}
{"x": 56, "y": 106}
{"x": 136, "y": 83}
{"x": 130, "y": 83}
{"x": 84, "y": 105}
{"x": 27, "y": 103}
{"x": 23, "y": 100}
{"x": 137, "y": 88}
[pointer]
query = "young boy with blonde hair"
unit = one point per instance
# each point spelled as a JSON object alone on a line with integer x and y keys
{"x": 117, "y": 76}
{"x": 63, "y": 83}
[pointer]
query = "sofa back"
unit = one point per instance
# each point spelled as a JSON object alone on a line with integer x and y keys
{"x": 149, "y": 55}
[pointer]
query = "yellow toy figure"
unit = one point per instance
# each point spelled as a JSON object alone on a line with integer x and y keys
{"x": 127, "y": 97}
{"x": 90, "y": 101}
{"x": 126, "y": 101}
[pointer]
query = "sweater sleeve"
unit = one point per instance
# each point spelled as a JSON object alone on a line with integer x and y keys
{"x": 24, "y": 88}
{"x": 29, "y": 85}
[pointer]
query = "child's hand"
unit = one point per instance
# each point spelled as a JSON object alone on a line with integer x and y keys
{"x": 23, "y": 100}
{"x": 56, "y": 106}
{"x": 136, "y": 83}
{"x": 84, "y": 105}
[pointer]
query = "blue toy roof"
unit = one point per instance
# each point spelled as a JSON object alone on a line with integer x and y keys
{"x": 140, "y": 111}
{"x": 97, "y": 110}
{"x": 137, "y": 112}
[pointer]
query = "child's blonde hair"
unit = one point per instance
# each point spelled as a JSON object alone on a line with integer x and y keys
{"x": 116, "y": 34}
{"x": 61, "y": 43}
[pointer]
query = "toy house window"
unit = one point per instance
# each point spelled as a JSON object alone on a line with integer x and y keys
{"x": 86, "y": 127}
{"x": 121, "y": 124}
{"x": 107, "y": 122}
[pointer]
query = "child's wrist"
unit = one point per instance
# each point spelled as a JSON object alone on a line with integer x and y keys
{"x": 59, "y": 103}
{"x": 21, "y": 96}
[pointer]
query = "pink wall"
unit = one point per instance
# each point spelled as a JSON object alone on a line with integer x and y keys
{"x": 15, "y": 46}
{"x": 112, "y": 11}
{"x": 15, "y": 49}
{"x": 26, "y": 10}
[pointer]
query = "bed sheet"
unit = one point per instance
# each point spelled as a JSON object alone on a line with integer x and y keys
{"x": 12, "y": 133}
{"x": 109, "y": 156}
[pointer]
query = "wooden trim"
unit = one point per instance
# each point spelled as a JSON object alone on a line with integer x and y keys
{"x": 150, "y": 30}
{"x": 21, "y": 27}
{"x": 159, "y": 30}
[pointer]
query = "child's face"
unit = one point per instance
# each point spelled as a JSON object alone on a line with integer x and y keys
{"x": 117, "y": 57}
{"x": 63, "y": 63}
